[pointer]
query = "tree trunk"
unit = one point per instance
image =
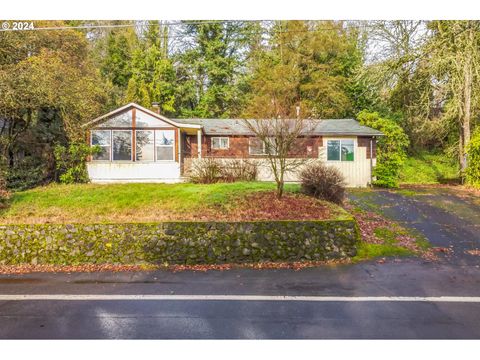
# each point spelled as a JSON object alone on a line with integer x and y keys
{"x": 280, "y": 184}
{"x": 467, "y": 105}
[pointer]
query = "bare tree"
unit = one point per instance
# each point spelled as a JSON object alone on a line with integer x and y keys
{"x": 279, "y": 139}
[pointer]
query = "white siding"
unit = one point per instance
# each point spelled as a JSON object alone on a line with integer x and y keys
{"x": 108, "y": 172}
{"x": 357, "y": 172}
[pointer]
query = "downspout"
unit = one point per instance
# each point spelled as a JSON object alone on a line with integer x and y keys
{"x": 371, "y": 161}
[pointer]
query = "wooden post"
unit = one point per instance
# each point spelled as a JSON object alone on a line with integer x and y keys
{"x": 199, "y": 143}
{"x": 134, "y": 135}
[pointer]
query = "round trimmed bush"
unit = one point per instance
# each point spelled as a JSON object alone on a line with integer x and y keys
{"x": 323, "y": 182}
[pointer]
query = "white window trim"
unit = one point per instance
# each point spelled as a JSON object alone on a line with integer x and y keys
{"x": 340, "y": 154}
{"x": 91, "y": 145}
{"x": 155, "y": 146}
{"x": 131, "y": 143}
{"x": 219, "y": 138}
{"x": 135, "y": 134}
{"x": 154, "y": 152}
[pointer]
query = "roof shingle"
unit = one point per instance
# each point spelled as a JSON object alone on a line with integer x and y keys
{"x": 319, "y": 127}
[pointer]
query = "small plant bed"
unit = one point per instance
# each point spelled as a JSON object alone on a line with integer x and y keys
{"x": 121, "y": 203}
{"x": 383, "y": 238}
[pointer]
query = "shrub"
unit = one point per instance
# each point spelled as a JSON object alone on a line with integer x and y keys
{"x": 205, "y": 171}
{"x": 323, "y": 182}
{"x": 71, "y": 162}
{"x": 210, "y": 170}
{"x": 27, "y": 173}
{"x": 4, "y": 193}
{"x": 238, "y": 170}
{"x": 391, "y": 148}
{"x": 472, "y": 173}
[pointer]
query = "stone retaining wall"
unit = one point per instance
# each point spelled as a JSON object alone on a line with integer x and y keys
{"x": 178, "y": 242}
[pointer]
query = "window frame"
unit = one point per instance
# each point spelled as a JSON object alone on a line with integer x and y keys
{"x": 109, "y": 146}
{"x": 264, "y": 152}
{"x": 354, "y": 141}
{"x": 155, "y": 145}
{"x": 136, "y": 144}
{"x": 131, "y": 144}
{"x": 219, "y": 139}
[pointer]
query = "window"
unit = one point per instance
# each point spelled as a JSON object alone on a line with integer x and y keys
{"x": 340, "y": 150}
{"x": 144, "y": 141}
{"x": 123, "y": 120}
{"x": 258, "y": 147}
{"x": 122, "y": 144}
{"x": 144, "y": 120}
{"x": 220, "y": 143}
{"x": 102, "y": 139}
{"x": 164, "y": 144}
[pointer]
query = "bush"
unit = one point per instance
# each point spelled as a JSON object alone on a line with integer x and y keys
{"x": 323, "y": 182}
{"x": 210, "y": 170}
{"x": 472, "y": 173}
{"x": 71, "y": 162}
{"x": 205, "y": 171}
{"x": 391, "y": 148}
{"x": 28, "y": 173}
{"x": 4, "y": 193}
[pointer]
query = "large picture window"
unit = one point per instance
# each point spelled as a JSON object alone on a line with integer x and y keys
{"x": 122, "y": 144}
{"x": 150, "y": 145}
{"x": 102, "y": 139}
{"x": 144, "y": 141}
{"x": 340, "y": 150}
{"x": 164, "y": 145}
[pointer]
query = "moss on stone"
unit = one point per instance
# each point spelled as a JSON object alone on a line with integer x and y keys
{"x": 178, "y": 242}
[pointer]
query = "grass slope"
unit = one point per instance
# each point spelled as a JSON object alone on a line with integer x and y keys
{"x": 427, "y": 168}
{"x": 139, "y": 202}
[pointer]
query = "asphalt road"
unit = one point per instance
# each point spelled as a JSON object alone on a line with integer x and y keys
{"x": 352, "y": 313}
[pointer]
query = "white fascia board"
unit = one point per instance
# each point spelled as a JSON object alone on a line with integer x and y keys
{"x": 141, "y": 108}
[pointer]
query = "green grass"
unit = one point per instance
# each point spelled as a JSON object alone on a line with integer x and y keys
{"x": 123, "y": 202}
{"x": 367, "y": 251}
{"x": 427, "y": 168}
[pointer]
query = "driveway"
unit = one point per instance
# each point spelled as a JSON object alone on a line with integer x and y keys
{"x": 448, "y": 217}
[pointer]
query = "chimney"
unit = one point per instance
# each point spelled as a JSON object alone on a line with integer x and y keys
{"x": 156, "y": 107}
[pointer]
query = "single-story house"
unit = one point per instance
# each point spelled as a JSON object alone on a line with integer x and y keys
{"x": 140, "y": 145}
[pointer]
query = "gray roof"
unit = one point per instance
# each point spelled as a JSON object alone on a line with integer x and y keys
{"x": 319, "y": 127}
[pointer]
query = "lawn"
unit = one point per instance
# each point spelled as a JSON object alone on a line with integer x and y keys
{"x": 162, "y": 202}
{"x": 427, "y": 168}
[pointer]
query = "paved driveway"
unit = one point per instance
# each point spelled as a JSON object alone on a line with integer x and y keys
{"x": 449, "y": 218}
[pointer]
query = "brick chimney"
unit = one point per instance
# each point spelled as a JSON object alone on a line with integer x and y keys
{"x": 156, "y": 107}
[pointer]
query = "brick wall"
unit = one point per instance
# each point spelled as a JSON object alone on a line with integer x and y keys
{"x": 364, "y": 141}
{"x": 238, "y": 147}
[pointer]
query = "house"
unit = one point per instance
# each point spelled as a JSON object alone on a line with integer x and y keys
{"x": 140, "y": 145}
